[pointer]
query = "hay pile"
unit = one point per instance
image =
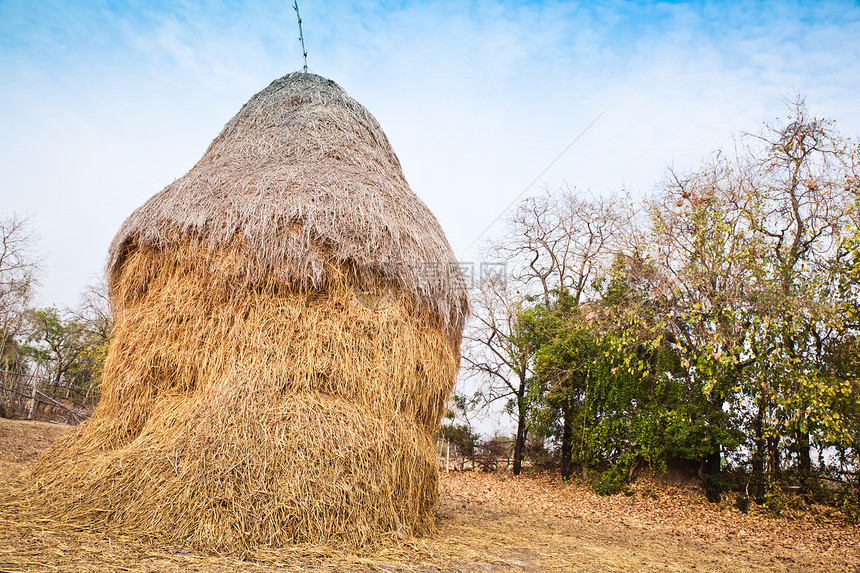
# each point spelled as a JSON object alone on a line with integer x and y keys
{"x": 288, "y": 319}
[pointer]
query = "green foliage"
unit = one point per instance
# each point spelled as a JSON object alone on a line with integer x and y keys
{"x": 775, "y": 499}
{"x": 611, "y": 482}
{"x": 848, "y": 501}
{"x": 71, "y": 351}
{"x": 621, "y": 388}
{"x": 11, "y": 357}
{"x": 726, "y": 327}
{"x": 461, "y": 436}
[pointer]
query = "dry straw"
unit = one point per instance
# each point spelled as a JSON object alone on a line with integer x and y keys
{"x": 288, "y": 318}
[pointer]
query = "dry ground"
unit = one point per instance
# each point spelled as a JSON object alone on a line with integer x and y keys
{"x": 486, "y": 523}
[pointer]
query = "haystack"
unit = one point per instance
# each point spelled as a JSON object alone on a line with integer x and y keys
{"x": 288, "y": 320}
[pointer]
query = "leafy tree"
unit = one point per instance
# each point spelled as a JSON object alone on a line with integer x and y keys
{"x": 462, "y": 437}
{"x": 796, "y": 199}
{"x": 742, "y": 249}
{"x": 96, "y": 317}
{"x": 614, "y": 395}
{"x": 706, "y": 272}
{"x": 56, "y": 341}
{"x": 842, "y": 359}
{"x": 724, "y": 328}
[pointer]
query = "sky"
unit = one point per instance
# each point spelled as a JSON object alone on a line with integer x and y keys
{"x": 104, "y": 102}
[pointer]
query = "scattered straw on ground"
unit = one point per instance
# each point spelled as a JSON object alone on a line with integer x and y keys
{"x": 486, "y": 522}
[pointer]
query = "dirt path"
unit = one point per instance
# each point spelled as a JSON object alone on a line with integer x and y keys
{"x": 493, "y": 523}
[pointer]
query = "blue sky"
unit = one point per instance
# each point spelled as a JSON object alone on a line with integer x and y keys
{"x": 103, "y": 103}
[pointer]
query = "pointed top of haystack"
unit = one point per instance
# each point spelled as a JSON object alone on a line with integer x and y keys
{"x": 303, "y": 176}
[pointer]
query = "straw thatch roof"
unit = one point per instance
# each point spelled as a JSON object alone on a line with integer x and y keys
{"x": 303, "y": 176}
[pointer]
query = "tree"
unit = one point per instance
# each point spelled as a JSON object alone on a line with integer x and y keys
{"x": 745, "y": 246}
{"x": 790, "y": 198}
{"x": 561, "y": 368}
{"x": 19, "y": 267}
{"x": 723, "y": 330}
{"x": 95, "y": 315}
{"x": 499, "y": 356}
{"x": 708, "y": 268}
{"x": 555, "y": 241}
{"x": 842, "y": 359}
{"x": 613, "y": 380}
{"x": 56, "y": 340}
{"x": 562, "y": 240}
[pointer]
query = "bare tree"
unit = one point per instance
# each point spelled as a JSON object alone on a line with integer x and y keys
{"x": 19, "y": 267}
{"x": 556, "y": 241}
{"x": 95, "y": 315}
{"x": 95, "y": 311}
{"x": 497, "y": 356}
{"x": 562, "y": 240}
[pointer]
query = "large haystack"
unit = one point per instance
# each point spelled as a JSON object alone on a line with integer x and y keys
{"x": 288, "y": 318}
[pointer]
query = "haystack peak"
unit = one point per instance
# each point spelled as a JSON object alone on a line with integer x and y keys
{"x": 304, "y": 177}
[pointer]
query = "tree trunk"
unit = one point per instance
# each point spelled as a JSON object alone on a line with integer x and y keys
{"x": 773, "y": 459}
{"x": 712, "y": 475}
{"x": 567, "y": 442}
{"x": 804, "y": 461}
{"x": 519, "y": 445}
{"x": 711, "y": 466}
{"x": 759, "y": 457}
